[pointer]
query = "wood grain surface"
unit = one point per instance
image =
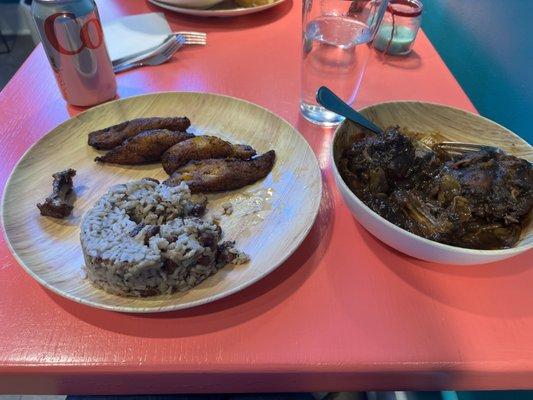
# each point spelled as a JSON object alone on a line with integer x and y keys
{"x": 269, "y": 221}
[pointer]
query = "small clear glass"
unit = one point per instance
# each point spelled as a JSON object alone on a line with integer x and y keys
{"x": 399, "y": 27}
{"x": 336, "y": 37}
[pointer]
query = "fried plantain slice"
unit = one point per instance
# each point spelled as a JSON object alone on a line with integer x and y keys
{"x": 217, "y": 175}
{"x": 109, "y": 138}
{"x": 202, "y": 148}
{"x": 145, "y": 147}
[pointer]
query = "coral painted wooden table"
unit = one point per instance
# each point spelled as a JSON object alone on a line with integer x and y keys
{"x": 345, "y": 312}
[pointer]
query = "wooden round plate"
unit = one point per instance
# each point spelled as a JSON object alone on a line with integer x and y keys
{"x": 270, "y": 219}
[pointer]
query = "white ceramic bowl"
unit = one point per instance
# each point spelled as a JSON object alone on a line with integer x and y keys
{"x": 432, "y": 123}
{"x": 197, "y": 4}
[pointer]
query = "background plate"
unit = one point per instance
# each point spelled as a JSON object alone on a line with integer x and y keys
{"x": 270, "y": 219}
{"x": 224, "y": 9}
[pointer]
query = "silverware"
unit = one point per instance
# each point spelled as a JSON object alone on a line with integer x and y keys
{"x": 459, "y": 148}
{"x": 199, "y": 38}
{"x": 188, "y": 37}
{"x": 169, "y": 39}
{"x": 326, "y": 98}
{"x": 158, "y": 59}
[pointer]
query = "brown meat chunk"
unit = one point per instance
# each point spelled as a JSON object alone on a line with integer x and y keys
{"x": 59, "y": 203}
{"x": 499, "y": 186}
{"x": 217, "y": 175}
{"x": 474, "y": 200}
{"x": 109, "y": 138}
{"x": 146, "y": 147}
{"x": 203, "y": 148}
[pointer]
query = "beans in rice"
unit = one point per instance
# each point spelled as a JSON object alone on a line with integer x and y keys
{"x": 143, "y": 238}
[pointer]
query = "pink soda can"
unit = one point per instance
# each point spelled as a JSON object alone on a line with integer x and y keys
{"x": 73, "y": 39}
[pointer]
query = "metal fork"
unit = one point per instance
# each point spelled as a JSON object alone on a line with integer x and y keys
{"x": 189, "y": 38}
{"x": 326, "y": 98}
{"x": 170, "y": 38}
{"x": 458, "y": 148}
{"x": 158, "y": 59}
{"x": 199, "y": 38}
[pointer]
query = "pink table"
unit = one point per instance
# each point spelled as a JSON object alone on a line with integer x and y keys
{"x": 345, "y": 312}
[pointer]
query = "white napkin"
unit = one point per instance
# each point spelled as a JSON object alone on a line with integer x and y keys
{"x": 135, "y": 34}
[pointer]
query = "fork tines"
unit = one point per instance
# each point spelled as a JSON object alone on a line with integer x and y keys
{"x": 191, "y": 33}
{"x": 199, "y": 38}
{"x": 457, "y": 148}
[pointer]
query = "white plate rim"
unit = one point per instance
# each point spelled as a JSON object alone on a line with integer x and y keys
{"x": 427, "y": 242}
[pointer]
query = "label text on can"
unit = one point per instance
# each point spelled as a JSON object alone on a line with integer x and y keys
{"x": 85, "y": 37}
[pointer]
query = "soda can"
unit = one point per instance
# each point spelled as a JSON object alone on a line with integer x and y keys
{"x": 73, "y": 39}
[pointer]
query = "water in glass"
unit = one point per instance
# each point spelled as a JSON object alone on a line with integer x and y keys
{"x": 335, "y": 54}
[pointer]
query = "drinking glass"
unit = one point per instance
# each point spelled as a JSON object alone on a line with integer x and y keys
{"x": 336, "y": 36}
{"x": 399, "y": 27}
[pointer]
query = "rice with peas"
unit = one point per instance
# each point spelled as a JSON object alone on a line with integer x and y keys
{"x": 144, "y": 238}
